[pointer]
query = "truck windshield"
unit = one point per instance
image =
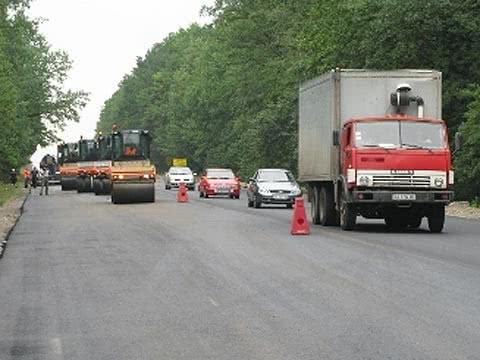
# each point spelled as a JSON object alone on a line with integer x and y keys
{"x": 400, "y": 134}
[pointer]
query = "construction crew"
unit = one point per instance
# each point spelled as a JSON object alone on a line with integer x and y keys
{"x": 27, "y": 175}
{"x": 13, "y": 177}
{"x": 34, "y": 177}
{"x": 45, "y": 174}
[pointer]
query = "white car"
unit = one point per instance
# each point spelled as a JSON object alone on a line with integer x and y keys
{"x": 177, "y": 175}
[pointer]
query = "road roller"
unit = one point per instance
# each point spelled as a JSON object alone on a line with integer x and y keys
{"x": 102, "y": 181}
{"x": 67, "y": 155}
{"x": 133, "y": 175}
{"x": 86, "y": 165}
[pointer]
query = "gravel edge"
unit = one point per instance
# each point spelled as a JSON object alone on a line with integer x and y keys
{"x": 18, "y": 211}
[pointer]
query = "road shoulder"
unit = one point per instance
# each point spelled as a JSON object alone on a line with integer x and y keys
{"x": 10, "y": 212}
{"x": 462, "y": 209}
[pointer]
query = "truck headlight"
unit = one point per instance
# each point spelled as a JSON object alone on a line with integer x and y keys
{"x": 439, "y": 182}
{"x": 451, "y": 177}
{"x": 364, "y": 181}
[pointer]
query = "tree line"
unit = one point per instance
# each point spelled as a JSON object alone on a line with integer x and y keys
{"x": 225, "y": 94}
{"x": 33, "y": 102}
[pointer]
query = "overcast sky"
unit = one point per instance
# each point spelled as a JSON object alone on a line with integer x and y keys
{"x": 104, "y": 38}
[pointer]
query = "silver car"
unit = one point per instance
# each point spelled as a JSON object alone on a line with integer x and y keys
{"x": 177, "y": 175}
{"x": 272, "y": 186}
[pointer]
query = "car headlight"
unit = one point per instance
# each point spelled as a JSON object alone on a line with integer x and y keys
{"x": 439, "y": 182}
{"x": 296, "y": 191}
{"x": 263, "y": 191}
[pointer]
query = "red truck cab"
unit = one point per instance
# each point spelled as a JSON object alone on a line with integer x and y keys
{"x": 398, "y": 168}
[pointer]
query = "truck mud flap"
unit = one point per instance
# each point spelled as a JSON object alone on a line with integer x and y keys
{"x": 124, "y": 193}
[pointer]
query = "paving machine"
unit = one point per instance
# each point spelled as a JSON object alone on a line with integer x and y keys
{"x": 102, "y": 177}
{"x": 86, "y": 164}
{"x": 133, "y": 175}
{"x": 67, "y": 155}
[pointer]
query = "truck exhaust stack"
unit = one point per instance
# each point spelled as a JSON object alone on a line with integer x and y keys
{"x": 402, "y": 98}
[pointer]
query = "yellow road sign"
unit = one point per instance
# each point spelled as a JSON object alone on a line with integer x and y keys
{"x": 180, "y": 162}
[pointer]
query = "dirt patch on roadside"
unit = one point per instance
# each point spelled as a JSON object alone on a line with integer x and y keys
{"x": 463, "y": 209}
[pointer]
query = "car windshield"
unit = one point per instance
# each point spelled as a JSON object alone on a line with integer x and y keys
{"x": 275, "y": 176}
{"x": 220, "y": 174}
{"x": 180, "y": 172}
{"x": 396, "y": 134}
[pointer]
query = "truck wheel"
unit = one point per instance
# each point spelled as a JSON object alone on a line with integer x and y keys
{"x": 314, "y": 205}
{"x": 327, "y": 213}
{"x": 436, "y": 219}
{"x": 348, "y": 216}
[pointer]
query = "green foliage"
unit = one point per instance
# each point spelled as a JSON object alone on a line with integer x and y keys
{"x": 33, "y": 103}
{"x": 225, "y": 94}
{"x": 468, "y": 160}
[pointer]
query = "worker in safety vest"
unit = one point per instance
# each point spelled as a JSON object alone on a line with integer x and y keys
{"x": 27, "y": 176}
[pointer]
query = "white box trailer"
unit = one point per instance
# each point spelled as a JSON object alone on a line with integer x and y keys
{"x": 326, "y": 102}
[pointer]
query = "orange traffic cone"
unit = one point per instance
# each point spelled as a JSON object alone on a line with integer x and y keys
{"x": 300, "y": 224}
{"x": 182, "y": 195}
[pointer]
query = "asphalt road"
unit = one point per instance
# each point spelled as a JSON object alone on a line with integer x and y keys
{"x": 213, "y": 279}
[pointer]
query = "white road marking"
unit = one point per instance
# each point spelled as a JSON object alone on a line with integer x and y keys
{"x": 213, "y": 302}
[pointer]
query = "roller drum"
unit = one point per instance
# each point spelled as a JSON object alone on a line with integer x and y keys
{"x": 124, "y": 193}
{"x": 102, "y": 186}
{"x": 68, "y": 183}
{"x": 84, "y": 185}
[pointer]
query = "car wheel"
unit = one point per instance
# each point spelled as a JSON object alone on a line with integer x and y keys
{"x": 257, "y": 203}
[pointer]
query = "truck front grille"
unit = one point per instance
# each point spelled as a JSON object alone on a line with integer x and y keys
{"x": 420, "y": 181}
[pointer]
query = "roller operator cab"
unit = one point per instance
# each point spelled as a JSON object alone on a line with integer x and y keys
{"x": 67, "y": 155}
{"x": 86, "y": 165}
{"x": 102, "y": 177}
{"x": 373, "y": 144}
{"x": 133, "y": 175}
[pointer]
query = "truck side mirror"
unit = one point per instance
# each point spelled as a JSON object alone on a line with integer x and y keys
{"x": 336, "y": 138}
{"x": 458, "y": 141}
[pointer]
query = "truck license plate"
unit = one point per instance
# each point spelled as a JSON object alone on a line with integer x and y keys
{"x": 404, "y": 197}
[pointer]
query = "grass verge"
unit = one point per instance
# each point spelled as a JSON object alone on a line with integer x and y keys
{"x": 8, "y": 192}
